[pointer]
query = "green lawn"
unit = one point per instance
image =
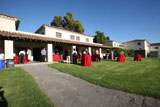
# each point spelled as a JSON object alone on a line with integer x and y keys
{"x": 21, "y": 90}
{"x": 141, "y": 78}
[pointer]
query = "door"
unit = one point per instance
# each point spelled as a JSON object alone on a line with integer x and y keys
{"x": 37, "y": 54}
{"x": 154, "y": 54}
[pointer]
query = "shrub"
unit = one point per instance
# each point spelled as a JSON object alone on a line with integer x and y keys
{"x": 118, "y": 50}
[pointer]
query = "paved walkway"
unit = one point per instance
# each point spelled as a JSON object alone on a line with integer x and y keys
{"x": 68, "y": 91}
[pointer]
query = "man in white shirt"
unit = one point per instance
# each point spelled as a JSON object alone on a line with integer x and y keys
{"x": 21, "y": 56}
{"x": 43, "y": 55}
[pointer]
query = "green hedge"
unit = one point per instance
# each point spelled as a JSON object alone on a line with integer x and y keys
{"x": 118, "y": 50}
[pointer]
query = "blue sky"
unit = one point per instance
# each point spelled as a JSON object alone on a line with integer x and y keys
{"x": 121, "y": 20}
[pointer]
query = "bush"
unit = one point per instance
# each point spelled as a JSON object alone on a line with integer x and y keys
{"x": 118, "y": 50}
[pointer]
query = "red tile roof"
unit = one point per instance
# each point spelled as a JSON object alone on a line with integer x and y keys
{"x": 12, "y": 17}
{"x": 155, "y": 44}
{"x": 136, "y": 40}
{"x": 47, "y": 39}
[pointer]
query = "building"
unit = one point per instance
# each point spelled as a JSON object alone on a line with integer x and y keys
{"x": 115, "y": 44}
{"x": 139, "y": 46}
{"x": 155, "y": 50}
{"x": 55, "y": 40}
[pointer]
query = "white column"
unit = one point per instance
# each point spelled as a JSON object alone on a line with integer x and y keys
{"x": 49, "y": 52}
{"x": 100, "y": 51}
{"x": 8, "y": 49}
{"x": 145, "y": 48}
{"x": 89, "y": 50}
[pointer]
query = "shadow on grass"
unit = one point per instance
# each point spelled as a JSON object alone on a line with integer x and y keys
{"x": 110, "y": 60}
{"x": 79, "y": 63}
{"x": 3, "y": 101}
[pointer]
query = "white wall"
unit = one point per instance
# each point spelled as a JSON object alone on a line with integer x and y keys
{"x": 153, "y": 49}
{"x": 51, "y": 32}
{"x": 147, "y": 48}
{"x": 115, "y": 44}
{"x": 135, "y": 46}
{"x": 112, "y": 43}
{"x": 7, "y": 24}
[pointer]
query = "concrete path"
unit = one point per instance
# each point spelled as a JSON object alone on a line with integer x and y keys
{"x": 68, "y": 91}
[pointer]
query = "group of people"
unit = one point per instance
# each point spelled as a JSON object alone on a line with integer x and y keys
{"x": 22, "y": 54}
{"x": 112, "y": 55}
{"x": 96, "y": 55}
{"x": 28, "y": 53}
{"x": 68, "y": 57}
{"x": 74, "y": 53}
{"x": 84, "y": 52}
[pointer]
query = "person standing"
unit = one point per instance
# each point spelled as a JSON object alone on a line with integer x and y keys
{"x": 43, "y": 55}
{"x": 68, "y": 56}
{"x": 74, "y": 54}
{"x": 97, "y": 56}
{"x": 29, "y": 54}
{"x": 87, "y": 52}
{"x": 121, "y": 52}
{"x": 21, "y": 56}
{"x": 112, "y": 55}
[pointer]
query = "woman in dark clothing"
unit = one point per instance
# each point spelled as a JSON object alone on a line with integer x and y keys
{"x": 74, "y": 54}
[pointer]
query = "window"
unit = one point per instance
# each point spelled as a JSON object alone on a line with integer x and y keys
{"x": 58, "y": 35}
{"x": 121, "y": 45}
{"x": 156, "y": 47}
{"x": 72, "y": 37}
{"x": 87, "y": 40}
{"x": 77, "y": 38}
{"x": 138, "y": 43}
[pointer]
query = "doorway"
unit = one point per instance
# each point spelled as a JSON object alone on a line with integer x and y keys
{"x": 37, "y": 54}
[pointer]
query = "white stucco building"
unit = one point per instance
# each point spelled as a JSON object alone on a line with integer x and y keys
{"x": 60, "y": 33}
{"x": 155, "y": 50}
{"x": 8, "y": 23}
{"x": 141, "y": 46}
{"x": 115, "y": 44}
{"x": 55, "y": 40}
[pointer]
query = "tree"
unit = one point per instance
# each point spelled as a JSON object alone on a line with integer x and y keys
{"x": 68, "y": 22}
{"x": 71, "y": 24}
{"x": 107, "y": 38}
{"x": 78, "y": 27}
{"x": 57, "y": 21}
{"x": 70, "y": 15}
{"x": 99, "y": 37}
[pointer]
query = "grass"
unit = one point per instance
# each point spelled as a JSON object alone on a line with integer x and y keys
{"x": 142, "y": 78}
{"x": 21, "y": 90}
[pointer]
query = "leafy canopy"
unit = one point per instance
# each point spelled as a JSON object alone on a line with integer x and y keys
{"x": 68, "y": 23}
{"x": 100, "y": 37}
{"x": 57, "y": 21}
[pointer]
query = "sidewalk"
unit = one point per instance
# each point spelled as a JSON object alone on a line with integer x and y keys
{"x": 68, "y": 91}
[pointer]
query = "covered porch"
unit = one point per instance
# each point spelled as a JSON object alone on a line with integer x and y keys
{"x": 12, "y": 43}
